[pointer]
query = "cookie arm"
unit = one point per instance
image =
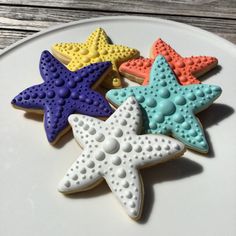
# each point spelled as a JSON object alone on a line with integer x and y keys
{"x": 85, "y": 126}
{"x": 153, "y": 149}
{"x": 161, "y": 47}
{"x": 201, "y": 64}
{"x": 129, "y": 115}
{"x": 128, "y": 189}
{"x": 50, "y": 68}
{"x": 203, "y": 95}
{"x": 80, "y": 177}
{"x": 98, "y": 105}
{"x": 192, "y": 135}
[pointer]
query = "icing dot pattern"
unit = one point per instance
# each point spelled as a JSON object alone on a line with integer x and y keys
{"x": 186, "y": 69}
{"x": 169, "y": 108}
{"x": 118, "y": 156}
{"x": 63, "y": 93}
{"x": 96, "y": 49}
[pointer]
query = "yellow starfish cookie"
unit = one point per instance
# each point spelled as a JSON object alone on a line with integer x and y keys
{"x": 95, "y": 49}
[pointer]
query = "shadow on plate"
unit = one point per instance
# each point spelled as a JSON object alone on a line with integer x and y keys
{"x": 169, "y": 171}
{"x": 34, "y": 116}
{"x": 213, "y": 116}
{"x": 211, "y": 73}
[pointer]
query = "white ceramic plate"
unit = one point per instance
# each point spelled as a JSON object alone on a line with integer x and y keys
{"x": 195, "y": 195}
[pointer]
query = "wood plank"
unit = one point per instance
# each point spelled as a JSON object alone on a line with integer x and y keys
{"x": 8, "y": 37}
{"x": 33, "y": 18}
{"x": 23, "y": 21}
{"x": 204, "y": 8}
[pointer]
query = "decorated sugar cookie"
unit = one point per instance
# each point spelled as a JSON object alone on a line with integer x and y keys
{"x": 63, "y": 93}
{"x": 95, "y": 49}
{"x": 186, "y": 69}
{"x": 113, "y": 150}
{"x": 168, "y": 107}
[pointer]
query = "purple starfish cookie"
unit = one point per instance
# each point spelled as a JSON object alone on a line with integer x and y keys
{"x": 63, "y": 93}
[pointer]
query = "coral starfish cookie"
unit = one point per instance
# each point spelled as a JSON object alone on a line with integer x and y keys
{"x": 186, "y": 69}
{"x": 95, "y": 49}
{"x": 168, "y": 107}
{"x": 113, "y": 150}
{"x": 63, "y": 93}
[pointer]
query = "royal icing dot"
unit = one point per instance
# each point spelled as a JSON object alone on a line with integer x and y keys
{"x": 131, "y": 204}
{"x": 75, "y": 177}
{"x": 99, "y": 137}
{"x": 41, "y": 95}
{"x": 92, "y": 131}
{"x": 83, "y": 171}
{"x": 200, "y": 93}
{"x": 153, "y": 125}
{"x": 91, "y": 164}
{"x": 159, "y": 117}
{"x": 164, "y": 93}
{"x": 67, "y": 184}
{"x": 84, "y": 51}
{"x": 99, "y": 155}
{"x": 186, "y": 125}
{"x": 121, "y": 173}
{"x": 137, "y": 148}
{"x": 127, "y": 147}
{"x": 191, "y": 96}
{"x": 168, "y": 107}
{"x": 111, "y": 146}
{"x": 118, "y": 132}
{"x": 178, "y": 118}
{"x": 116, "y": 160}
{"x": 151, "y": 102}
{"x": 180, "y": 100}
{"x": 128, "y": 194}
{"x": 140, "y": 98}
{"x": 59, "y": 95}
{"x": 96, "y": 48}
{"x": 125, "y": 183}
{"x": 118, "y": 157}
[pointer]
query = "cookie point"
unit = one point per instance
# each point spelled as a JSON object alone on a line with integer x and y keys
{"x": 217, "y": 89}
{"x": 51, "y": 138}
{"x": 179, "y": 146}
{"x": 45, "y": 53}
{"x": 64, "y": 186}
{"x": 13, "y": 101}
{"x": 204, "y": 148}
{"x": 131, "y": 100}
{"x": 134, "y": 214}
{"x": 72, "y": 118}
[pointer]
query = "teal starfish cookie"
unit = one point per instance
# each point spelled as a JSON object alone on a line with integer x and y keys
{"x": 169, "y": 108}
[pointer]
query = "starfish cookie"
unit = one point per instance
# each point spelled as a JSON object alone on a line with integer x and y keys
{"x": 113, "y": 150}
{"x": 63, "y": 93}
{"x": 168, "y": 107}
{"x": 186, "y": 69}
{"x": 95, "y": 49}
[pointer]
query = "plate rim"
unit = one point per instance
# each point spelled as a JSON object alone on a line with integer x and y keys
{"x": 112, "y": 18}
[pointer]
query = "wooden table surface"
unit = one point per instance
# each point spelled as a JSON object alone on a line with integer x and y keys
{"x": 20, "y": 18}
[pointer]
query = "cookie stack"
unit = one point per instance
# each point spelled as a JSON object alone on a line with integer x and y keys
{"x": 130, "y": 127}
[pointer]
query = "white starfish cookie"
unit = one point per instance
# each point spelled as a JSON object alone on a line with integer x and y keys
{"x": 113, "y": 150}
